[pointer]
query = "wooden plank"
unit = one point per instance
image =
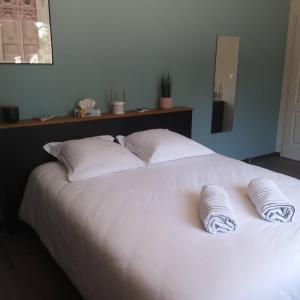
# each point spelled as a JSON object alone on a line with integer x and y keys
{"x": 104, "y": 116}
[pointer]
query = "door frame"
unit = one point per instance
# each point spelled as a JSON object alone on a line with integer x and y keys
{"x": 281, "y": 129}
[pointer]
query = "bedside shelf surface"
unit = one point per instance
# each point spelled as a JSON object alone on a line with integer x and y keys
{"x": 104, "y": 116}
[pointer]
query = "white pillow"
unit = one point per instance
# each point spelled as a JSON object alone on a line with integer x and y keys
{"x": 54, "y": 147}
{"x": 159, "y": 145}
{"x": 92, "y": 157}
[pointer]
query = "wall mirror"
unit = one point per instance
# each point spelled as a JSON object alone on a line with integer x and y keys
{"x": 25, "y": 32}
{"x": 227, "y": 56}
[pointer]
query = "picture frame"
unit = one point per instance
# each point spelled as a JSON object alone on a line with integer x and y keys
{"x": 25, "y": 32}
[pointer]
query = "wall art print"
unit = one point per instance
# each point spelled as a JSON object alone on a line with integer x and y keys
{"x": 25, "y": 32}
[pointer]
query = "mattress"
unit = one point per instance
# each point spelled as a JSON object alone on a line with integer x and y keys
{"x": 137, "y": 234}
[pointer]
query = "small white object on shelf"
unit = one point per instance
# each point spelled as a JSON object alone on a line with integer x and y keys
{"x": 87, "y": 109}
{"x": 44, "y": 118}
{"x": 142, "y": 109}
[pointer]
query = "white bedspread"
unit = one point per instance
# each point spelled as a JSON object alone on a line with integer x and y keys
{"x": 137, "y": 234}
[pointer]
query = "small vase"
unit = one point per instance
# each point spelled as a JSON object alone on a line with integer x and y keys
{"x": 118, "y": 107}
{"x": 166, "y": 103}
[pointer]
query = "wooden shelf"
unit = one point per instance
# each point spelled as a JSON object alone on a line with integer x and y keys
{"x": 104, "y": 116}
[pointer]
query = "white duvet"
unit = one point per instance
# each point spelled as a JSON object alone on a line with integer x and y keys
{"x": 137, "y": 234}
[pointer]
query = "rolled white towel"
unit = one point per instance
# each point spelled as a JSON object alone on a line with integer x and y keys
{"x": 216, "y": 210}
{"x": 269, "y": 201}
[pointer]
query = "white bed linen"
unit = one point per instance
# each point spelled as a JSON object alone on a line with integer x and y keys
{"x": 137, "y": 234}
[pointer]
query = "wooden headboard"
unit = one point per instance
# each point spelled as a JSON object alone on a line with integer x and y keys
{"x": 21, "y": 143}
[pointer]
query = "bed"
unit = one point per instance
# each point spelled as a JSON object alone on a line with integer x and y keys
{"x": 26, "y": 138}
{"x": 137, "y": 234}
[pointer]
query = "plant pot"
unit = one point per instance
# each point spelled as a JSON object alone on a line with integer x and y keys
{"x": 166, "y": 103}
{"x": 118, "y": 107}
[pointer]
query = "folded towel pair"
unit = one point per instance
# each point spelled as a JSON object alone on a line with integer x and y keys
{"x": 217, "y": 213}
{"x": 269, "y": 201}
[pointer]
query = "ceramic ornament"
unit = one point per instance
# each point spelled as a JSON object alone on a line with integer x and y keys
{"x": 87, "y": 104}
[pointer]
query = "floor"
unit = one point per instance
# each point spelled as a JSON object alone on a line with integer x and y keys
{"x": 278, "y": 164}
{"x": 27, "y": 272}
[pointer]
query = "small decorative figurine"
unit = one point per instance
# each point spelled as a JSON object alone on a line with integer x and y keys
{"x": 87, "y": 109}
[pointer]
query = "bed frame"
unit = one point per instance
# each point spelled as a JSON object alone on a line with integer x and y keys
{"x": 21, "y": 144}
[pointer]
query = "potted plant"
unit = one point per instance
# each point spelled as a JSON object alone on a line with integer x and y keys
{"x": 166, "y": 87}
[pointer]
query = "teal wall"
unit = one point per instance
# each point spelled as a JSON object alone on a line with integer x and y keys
{"x": 101, "y": 44}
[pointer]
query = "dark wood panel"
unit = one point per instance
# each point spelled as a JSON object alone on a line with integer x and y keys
{"x": 21, "y": 147}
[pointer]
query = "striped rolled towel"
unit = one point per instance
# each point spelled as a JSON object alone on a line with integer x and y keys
{"x": 216, "y": 210}
{"x": 269, "y": 201}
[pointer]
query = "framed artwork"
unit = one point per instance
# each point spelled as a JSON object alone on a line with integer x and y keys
{"x": 25, "y": 32}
